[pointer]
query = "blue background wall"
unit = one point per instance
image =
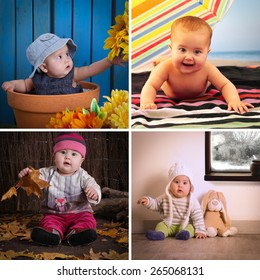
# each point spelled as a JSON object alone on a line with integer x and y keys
{"x": 85, "y": 21}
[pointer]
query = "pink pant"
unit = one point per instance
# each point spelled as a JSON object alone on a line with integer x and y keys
{"x": 66, "y": 222}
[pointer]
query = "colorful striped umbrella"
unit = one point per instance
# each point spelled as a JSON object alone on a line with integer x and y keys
{"x": 152, "y": 19}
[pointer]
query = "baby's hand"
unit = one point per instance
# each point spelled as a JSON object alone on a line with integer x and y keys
{"x": 24, "y": 172}
{"x": 118, "y": 60}
{"x": 200, "y": 235}
{"x": 148, "y": 106}
{"x": 143, "y": 200}
{"x": 91, "y": 193}
{"x": 8, "y": 86}
{"x": 239, "y": 107}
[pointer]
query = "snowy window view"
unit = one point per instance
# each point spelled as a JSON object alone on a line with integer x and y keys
{"x": 233, "y": 151}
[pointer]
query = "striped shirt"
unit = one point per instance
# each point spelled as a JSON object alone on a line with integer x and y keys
{"x": 184, "y": 210}
{"x": 66, "y": 193}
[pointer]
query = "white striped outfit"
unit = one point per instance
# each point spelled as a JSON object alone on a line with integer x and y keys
{"x": 66, "y": 193}
{"x": 182, "y": 211}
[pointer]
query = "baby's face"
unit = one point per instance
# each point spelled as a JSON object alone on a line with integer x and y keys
{"x": 68, "y": 161}
{"x": 59, "y": 63}
{"x": 189, "y": 50}
{"x": 180, "y": 186}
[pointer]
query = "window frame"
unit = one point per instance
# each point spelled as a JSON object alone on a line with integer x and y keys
{"x": 225, "y": 175}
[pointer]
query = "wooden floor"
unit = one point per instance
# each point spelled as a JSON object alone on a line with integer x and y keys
{"x": 239, "y": 247}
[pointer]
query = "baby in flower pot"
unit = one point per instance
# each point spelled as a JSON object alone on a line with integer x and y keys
{"x": 54, "y": 72}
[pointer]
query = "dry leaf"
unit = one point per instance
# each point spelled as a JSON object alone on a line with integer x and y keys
{"x": 111, "y": 233}
{"x": 53, "y": 256}
{"x": 31, "y": 183}
{"x": 12, "y": 191}
{"x": 123, "y": 239}
{"x": 113, "y": 255}
{"x": 10, "y": 255}
{"x": 112, "y": 225}
{"x": 95, "y": 256}
{"x": 12, "y": 230}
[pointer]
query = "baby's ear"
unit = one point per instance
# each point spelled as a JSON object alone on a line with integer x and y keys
{"x": 43, "y": 68}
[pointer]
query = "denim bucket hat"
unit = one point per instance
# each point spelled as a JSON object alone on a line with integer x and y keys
{"x": 45, "y": 45}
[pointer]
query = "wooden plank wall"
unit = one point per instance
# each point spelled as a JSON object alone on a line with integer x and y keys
{"x": 85, "y": 21}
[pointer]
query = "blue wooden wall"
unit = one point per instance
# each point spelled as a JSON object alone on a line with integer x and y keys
{"x": 85, "y": 21}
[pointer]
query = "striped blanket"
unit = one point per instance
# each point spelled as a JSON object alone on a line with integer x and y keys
{"x": 206, "y": 112}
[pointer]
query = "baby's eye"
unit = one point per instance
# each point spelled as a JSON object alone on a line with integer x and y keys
{"x": 182, "y": 50}
{"x": 63, "y": 152}
{"x": 59, "y": 57}
{"x": 197, "y": 52}
{"x": 67, "y": 54}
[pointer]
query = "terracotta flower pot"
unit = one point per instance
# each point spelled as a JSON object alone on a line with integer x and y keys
{"x": 35, "y": 111}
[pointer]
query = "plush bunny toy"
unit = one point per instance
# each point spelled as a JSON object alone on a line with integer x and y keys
{"x": 216, "y": 219}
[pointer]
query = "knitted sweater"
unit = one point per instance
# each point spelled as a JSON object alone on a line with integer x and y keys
{"x": 181, "y": 211}
{"x": 66, "y": 193}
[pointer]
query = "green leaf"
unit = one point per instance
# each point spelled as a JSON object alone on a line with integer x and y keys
{"x": 102, "y": 115}
{"x": 84, "y": 111}
{"x": 94, "y": 107}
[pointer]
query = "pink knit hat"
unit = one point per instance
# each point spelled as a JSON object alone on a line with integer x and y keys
{"x": 70, "y": 140}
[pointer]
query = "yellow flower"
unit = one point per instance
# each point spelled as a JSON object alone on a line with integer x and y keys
{"x": 119, "y": 119}
{"x": 117, "y": 109}
{"x": 114, "y": 114}
{"x": 118, "y": 40}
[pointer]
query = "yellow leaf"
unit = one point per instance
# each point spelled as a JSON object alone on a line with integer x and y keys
{"x": 7, "y": 236}
{"x": 123, "y": 239}
{"x": 95, "y": 256}
{"x": 112, "y": 225}
{"x": 32, "y": 184}
{"x": 8, "y": 255}
{"x": 111, "y": 233}
{"x": 53, "y": 256}
{"x": 13, "y": 228}
{"x": 9, "y": 193}
{"x": 113, "y": 255}
{"x": 25, "y": 236}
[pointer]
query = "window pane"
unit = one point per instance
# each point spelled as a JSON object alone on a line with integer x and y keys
{"x": 233, "y": 151}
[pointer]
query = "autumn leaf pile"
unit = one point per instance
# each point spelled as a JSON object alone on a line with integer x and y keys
{"x": 16, "y": 226}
